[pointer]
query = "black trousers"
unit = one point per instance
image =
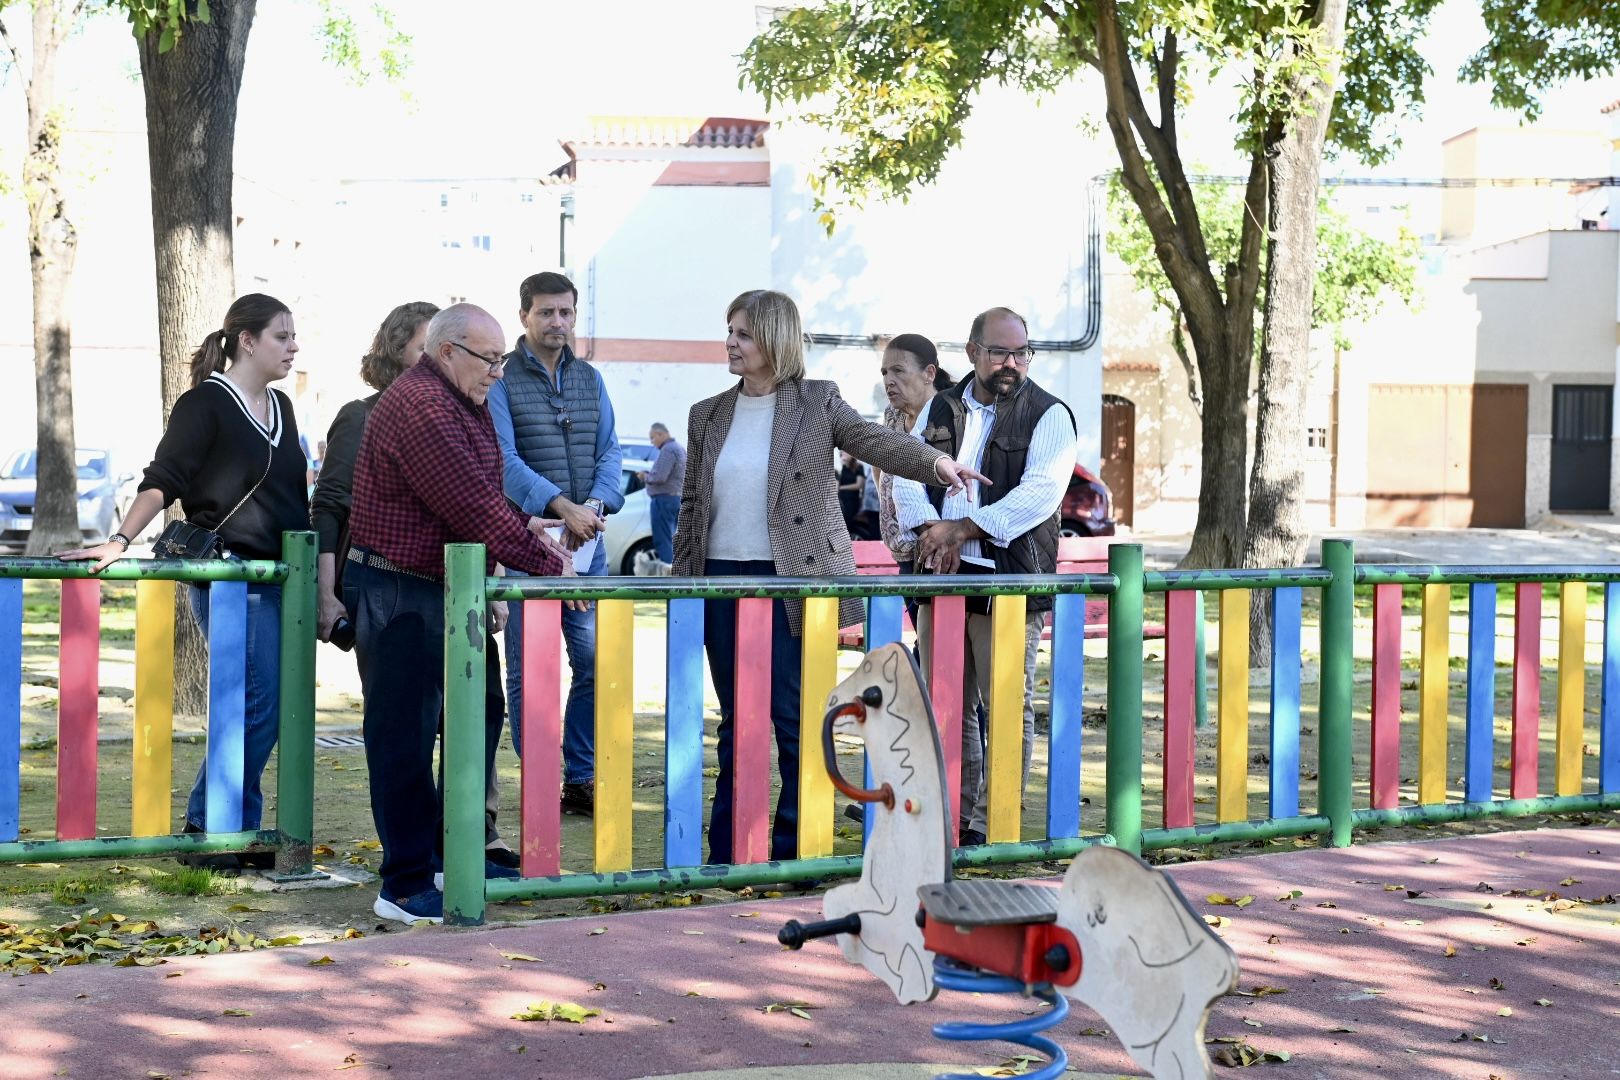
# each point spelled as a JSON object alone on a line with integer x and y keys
{"x": 399, "y": 640}
{"x": 787, "y": 662}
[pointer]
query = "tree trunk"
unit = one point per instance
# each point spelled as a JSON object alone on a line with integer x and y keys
{"x": 1277, "y": 535}
{"x": 191, "y": 95}
{"x": 52, "y": 245}
{"x": 1219, "y": 315}
{"x": 1218, "y": 537}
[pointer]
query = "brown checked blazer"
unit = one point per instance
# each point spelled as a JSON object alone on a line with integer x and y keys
{"x": 808, "y": 534}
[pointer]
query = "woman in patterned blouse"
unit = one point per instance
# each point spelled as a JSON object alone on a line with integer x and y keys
{"x": 911, "y": 377}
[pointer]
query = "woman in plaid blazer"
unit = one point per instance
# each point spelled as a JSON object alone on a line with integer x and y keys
{"x": 761, "y": 500}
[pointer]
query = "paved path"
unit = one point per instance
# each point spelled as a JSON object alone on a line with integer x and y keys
{"x": 682, "y": 990}
{"x": 1560, "y": 540}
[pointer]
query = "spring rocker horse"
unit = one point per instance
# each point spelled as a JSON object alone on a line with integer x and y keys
{"x": 1118, "y": 936}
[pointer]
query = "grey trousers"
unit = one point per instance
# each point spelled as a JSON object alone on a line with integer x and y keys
{"x": 976, "y": 689}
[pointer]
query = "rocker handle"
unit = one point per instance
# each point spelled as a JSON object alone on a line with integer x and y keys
{"x": 795, "y": 933}
{"x": 829, "y": 754}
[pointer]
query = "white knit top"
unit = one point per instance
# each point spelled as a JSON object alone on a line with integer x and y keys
{"x": 737, "y": 526}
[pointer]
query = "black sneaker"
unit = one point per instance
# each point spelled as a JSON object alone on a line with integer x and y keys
{"x": 579, "y": 799}
{"x": 493, "y": 871}
{"x": 425, "y": 906}
{"x": 970, "y": 838}
{"x": 503, "y": 856}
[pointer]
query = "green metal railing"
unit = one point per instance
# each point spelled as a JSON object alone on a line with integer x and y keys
{"x": 292, "y": 838}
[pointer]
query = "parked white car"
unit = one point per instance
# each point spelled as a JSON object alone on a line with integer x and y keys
{"x": 629, "y": 532}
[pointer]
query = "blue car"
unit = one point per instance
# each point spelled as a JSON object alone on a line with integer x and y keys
{"x": 98, "y": 495}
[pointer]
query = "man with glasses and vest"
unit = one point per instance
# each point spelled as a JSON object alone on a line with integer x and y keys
{"x": 555, "y": 425}
{"x": 998, "y": 421}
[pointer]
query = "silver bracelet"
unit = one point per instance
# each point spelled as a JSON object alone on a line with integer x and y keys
{"x": 121, "y": 538}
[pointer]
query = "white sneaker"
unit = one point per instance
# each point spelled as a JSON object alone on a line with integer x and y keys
{"x": 427, "y": 906}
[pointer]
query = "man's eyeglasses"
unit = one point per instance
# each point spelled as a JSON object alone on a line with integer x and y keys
{"x": 1021, "y": 356}
{"x": 494, "y": 365}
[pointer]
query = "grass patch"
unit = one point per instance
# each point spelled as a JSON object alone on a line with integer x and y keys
{"x": 70, "y": 891}
{"x": 189, "y": 881}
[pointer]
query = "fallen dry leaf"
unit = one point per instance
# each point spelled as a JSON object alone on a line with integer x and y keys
{"x": 565, "y": 1011}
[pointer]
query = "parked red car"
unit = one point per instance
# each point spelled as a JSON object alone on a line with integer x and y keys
{"x": 1088, "y": 506}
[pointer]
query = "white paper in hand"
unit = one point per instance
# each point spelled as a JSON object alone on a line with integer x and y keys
{"x": 586, "y": 552}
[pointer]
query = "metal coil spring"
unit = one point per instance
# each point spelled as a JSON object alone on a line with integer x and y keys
{"x": 1026, "y": 1033}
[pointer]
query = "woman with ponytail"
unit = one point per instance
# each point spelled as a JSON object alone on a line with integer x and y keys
{"x": 230, "y": 455}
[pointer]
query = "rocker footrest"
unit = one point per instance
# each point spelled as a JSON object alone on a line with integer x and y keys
{"x": 989, "y": 903}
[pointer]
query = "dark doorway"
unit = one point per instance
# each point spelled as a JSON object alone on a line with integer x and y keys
{"x": 1583, "y": 421}
{"x": 1119, "y": 454}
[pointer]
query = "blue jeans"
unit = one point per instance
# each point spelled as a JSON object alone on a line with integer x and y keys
{"x": 666, "y": 510}
{"x": 579, "y": 717}
{"x": 262, "y": 707}
{"x": 399, "y": 642}
{"x": 720, "y": 643}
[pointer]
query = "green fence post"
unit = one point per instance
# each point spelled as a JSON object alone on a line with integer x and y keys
{"x": 1333, "y": 728}
{"x": 465, "y": 644}
{"x": 1124, "y": 769}
{"x": 295, "y": 761}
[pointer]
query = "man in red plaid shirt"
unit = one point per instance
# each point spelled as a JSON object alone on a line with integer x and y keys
{"x": 428, "y": 474}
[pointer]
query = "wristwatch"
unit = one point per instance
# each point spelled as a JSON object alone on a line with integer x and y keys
{"x": 595, "y": 504}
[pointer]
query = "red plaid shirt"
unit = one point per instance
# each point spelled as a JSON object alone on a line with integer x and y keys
{"x": 429, "y": 474}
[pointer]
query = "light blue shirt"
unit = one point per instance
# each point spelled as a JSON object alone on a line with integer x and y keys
{"x": 528, "y": 488}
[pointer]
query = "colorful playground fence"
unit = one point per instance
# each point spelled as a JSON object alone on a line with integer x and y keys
{"x": 1125, "y": 587}
{"x": 151, "y": 824}
{"x": 1249, "y": 804}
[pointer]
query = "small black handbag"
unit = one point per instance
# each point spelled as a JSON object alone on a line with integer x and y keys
{"x": 183, "y": 539}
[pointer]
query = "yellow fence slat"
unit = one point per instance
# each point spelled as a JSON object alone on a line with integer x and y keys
{"x": 153, "y": 768}
{"x": 1232, "y": 762}
{"x": 1571, "y": 684}
{"x": 816, "y": 684}
{"x": 1004, "y": 760}
{"x": 1433, "y": 675}
{"x": 615, "y": 727}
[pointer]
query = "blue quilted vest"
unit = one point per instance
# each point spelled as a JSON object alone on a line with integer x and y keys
{"x": 555, "y": 427}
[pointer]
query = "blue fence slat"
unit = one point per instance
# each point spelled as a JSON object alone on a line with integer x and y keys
{"x": 11, "y": 613}
{"x": 1609, "y": 733}
{"x": 683, "y": 735}
{"x": 227, "y": 690}
{"x": 1286, "y": 613}
{"x": 1479, "y": 735}
{"x": 1068, "y": 684}
{"x": 885, "y": 617}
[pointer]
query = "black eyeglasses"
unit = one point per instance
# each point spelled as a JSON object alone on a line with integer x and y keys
{"x": 998, "y": 356}
{"x": 494, "y": 365}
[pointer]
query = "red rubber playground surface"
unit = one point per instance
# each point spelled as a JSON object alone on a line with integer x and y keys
{"x": 1476, "y": 957}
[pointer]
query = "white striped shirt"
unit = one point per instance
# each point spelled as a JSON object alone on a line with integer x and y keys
{"x": 1047, "y": 470}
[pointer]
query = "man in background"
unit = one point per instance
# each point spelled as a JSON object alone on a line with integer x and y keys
{"x": 664, "y": 482}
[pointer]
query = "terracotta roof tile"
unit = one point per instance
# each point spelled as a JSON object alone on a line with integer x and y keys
{"x": 711, "y": 132}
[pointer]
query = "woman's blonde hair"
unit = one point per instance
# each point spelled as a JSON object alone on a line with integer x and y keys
{"x": 773, "y": 319}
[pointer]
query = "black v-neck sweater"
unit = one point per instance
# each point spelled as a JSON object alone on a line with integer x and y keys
{"x": 211, "y": 454}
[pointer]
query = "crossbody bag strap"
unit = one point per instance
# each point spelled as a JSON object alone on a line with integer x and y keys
{"x": 270, "y": 456}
